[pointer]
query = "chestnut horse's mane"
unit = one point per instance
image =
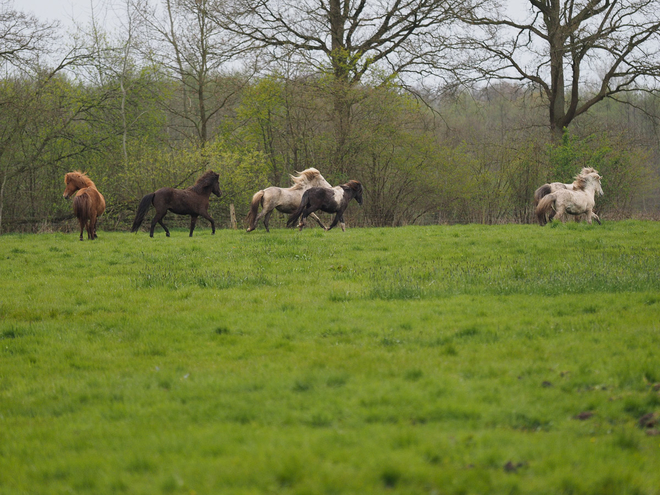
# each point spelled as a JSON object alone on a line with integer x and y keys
{"x": 81, "y": 179}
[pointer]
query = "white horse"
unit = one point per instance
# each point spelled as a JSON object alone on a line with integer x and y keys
{"x": 546, "y": 189}
{"x": 285, "y": 200}
{"x": 574, "y": 201}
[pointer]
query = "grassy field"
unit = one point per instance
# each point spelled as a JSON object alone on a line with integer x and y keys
{"x": 449, "y": 360}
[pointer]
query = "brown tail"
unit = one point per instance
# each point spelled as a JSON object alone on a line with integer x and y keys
{"x": 254, "y": 207}
{"x": 85, "y": 212}
{"x": 545, "y": 207}
{"x": 541, "y": 192}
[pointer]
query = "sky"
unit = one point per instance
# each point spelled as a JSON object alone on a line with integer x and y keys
{"x": 61, "y": 10}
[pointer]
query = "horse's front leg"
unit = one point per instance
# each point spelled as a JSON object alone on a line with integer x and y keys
{"x": 210, "y": 219}
{"x": 193, "y": 221}
{"x": 318, "y": 220}
{"x": 336, "y": 220}
{"x": 303, "y": 217}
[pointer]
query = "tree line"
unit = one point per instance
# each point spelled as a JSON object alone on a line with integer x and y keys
{"x": 447, "y": 111}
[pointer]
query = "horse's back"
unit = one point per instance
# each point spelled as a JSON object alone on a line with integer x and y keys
{"x": 96, "y": 198}
{"x": 180, "y": 201}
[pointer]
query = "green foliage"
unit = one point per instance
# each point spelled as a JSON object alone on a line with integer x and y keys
{"x": 451, "y": 359}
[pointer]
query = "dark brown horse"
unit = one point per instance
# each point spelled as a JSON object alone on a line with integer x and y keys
{"x": 333, "y": 200}
{"x": 88, "y": 205}
{"x": 193, "y": 201}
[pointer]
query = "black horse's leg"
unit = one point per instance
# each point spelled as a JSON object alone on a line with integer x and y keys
{"x": 210, "y": 219}
{"x": 336, "y": 220}
{"x": 158, "y": 219}
{"x": 342, "y": 223}
{"x": 193, "y": 221}
{"x": 82, "y": 228}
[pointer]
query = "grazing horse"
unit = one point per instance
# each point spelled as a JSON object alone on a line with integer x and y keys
{"x": 193, "y": 201}
{"x": 546, "y": 189}
{"x": 333, "y": 200}
{"x": 285, "y": 200}
{"x": 577, "y": 201}
{"x": 88, "y": 205}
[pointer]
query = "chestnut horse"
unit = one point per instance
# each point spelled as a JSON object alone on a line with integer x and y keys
{"x": 333, "y": 200}
{"x": 88, "y": 205}
{"x": 193, "y": 201}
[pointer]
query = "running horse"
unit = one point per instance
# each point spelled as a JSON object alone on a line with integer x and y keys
{"x": 333, "y": 200}
{"x": 579, "y": 200}
{"x": 88, "y": 204}
{"x": 285, "y": 200}
{"x": 193, "y": 201}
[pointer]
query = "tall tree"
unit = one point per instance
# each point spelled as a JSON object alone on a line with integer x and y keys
{"x": 577, "y": 52}
{"x": 193, "y": 48}
{"x": 346, "y": 38}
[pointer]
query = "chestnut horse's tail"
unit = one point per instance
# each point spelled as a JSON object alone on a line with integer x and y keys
{"x": 545, "y": 206}
{"x": 145, "y": 204}
{"x": 296, "y": 214}
{"x": 254, "y": 206}
{"x": 83, "y": 209}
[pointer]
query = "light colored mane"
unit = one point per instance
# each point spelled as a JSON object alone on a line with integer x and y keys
{"x": 79, "y": 179}
{"x": 306, "y": 177}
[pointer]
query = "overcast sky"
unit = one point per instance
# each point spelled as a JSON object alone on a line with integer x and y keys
{"x": 62, "y": 10}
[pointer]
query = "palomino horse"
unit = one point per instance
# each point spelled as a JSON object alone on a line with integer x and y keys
{"x": 284, "y": 200}
{"x": 333, "y": 200}
{"x": 546, "y": 189}
{"x": 193, "y": 201}
{"x": 88, "y": 205}
{"x": 575, "y": 202}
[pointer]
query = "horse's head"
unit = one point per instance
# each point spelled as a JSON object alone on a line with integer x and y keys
{"x": 599, "y": 187}
{"x": 357, "y": 190}
{"x": 216, "y": 186}
{"x": 74, "y": 181}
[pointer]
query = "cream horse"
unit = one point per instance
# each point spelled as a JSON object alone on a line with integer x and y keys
{"x": 576, "y": 201}
{"x": 546, "y": 189}
{"x": 285, "y": 200}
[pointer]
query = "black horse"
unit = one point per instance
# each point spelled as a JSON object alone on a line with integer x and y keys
{"x": 193, "y": 201}
{"x": 333, "y": 200}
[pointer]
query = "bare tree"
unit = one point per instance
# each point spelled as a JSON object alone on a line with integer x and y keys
{"x": 194, "y": 48}
{"x": 346, "y": 38}
{"x": 577, "y": 52}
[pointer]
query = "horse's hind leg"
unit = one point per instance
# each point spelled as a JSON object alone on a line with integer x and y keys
{"x": 158, "y": 219}
{"x": 82, "y": 227}
{"x": 193, "y": 221}
{"x": 91, "y": 228}
{"x": 267, "y": 219}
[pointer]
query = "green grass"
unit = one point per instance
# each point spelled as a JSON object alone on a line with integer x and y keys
{"x": 410, "y": 360}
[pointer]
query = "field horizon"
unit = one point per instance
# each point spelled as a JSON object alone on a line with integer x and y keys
{"x": 442, "y": 359}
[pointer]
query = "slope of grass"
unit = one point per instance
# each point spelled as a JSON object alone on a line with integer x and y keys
{"x": 414, "y": 360}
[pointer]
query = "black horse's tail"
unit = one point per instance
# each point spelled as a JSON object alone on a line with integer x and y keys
{"x": 296, "y": 214}
{"x": 145, "y": 204}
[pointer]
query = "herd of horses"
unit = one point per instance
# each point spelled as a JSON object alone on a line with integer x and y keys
{"x": 310, "y": 193}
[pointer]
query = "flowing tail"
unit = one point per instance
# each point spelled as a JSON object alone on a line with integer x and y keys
{"x": 544, "y": 208}
{"x": 84, "y": 211}
{"x": 296, "y": 214}
{"x": 145, "y": 204}
{"x": 541, "y": 192}
{"x": 254, "y": 207}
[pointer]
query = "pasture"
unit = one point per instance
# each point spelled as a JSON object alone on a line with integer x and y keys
{"x": 448, "y": 359}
